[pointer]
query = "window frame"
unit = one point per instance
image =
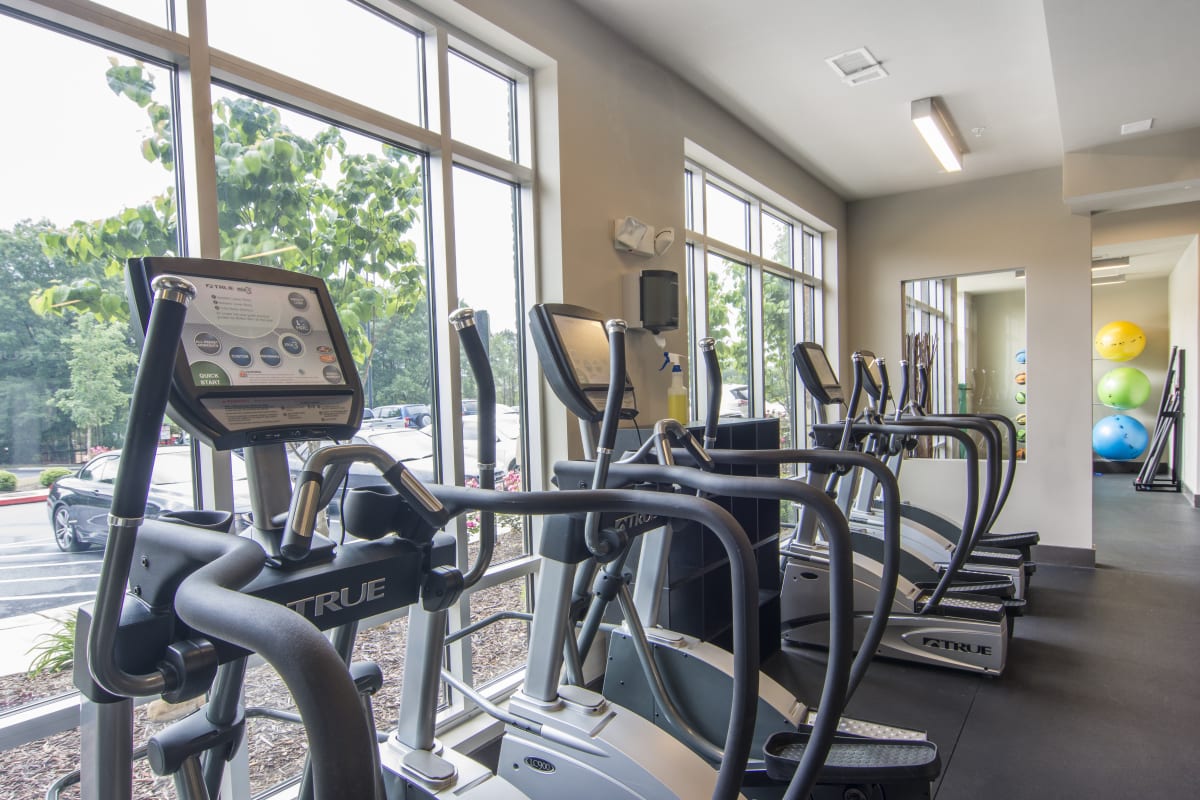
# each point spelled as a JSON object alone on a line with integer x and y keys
{"x": 805, "y": 274}
{"x": 196, "y": 67}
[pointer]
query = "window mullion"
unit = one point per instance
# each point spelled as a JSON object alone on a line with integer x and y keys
{"x": 755, "y": 340}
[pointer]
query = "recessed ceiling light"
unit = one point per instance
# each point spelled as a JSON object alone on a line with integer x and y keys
{"x": 1137, "y": 127}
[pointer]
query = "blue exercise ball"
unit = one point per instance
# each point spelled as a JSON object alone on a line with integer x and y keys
{"x": 1119, "y": 438}
{"x": 1020, "y": 356}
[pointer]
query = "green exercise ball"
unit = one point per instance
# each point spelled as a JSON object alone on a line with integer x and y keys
{"x": 1123, "y": 388}
{"x": 1020, "y": 397}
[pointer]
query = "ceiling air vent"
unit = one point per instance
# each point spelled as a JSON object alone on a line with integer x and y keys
{"x": 857, "y": 66}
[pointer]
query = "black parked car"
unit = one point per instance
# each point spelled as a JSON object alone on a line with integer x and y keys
{"x": 78, "y": 504}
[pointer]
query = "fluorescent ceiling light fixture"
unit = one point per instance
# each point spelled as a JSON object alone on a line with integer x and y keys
{"x": 1113, "y": 281}
{"x": 1109, "y": 263}
{"x": 931, "y": 120}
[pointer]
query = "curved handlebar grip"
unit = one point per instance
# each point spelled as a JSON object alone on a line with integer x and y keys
{"x": 596, "y": 544}
{"x": 463, "y": 321}
{"x": 303, "y": 512}
{"x": 712, "y": 369}
{"x": 148, "y": 404}
{"x": 150, "y": 391}
{"x": 302, "y": 516}
{"x": 616, "y": 388}
{"x": 885, "y": 386}
{"x": 902, "y": 400}
{"x": 922, "y": 385}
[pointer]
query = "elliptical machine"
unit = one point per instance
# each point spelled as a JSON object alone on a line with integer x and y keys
{"x": 400, "y": 559}
{"x": 934, "y": 619}
{"x": 648, "y": 666}
{"x": 998, "y": 553}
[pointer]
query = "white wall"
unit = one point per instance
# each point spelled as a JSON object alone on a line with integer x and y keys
{"x": 1184, "y": 291}
{"x": 1144, "y": 303}
{"x": 1013, "y": 222}
{"x": 611, "y": 143}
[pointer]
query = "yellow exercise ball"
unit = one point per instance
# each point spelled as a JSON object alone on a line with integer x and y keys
{"x": 1120, "y": 341}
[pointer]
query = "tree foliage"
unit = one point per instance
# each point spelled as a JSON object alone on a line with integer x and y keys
{"x": 102, "y": 364}
{"x": 309, "y": 204}
{"x": 31, "y": 348}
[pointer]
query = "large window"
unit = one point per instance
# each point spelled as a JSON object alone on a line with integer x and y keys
{"x": 330, "y": 152}
{"x": 754, "y": 278}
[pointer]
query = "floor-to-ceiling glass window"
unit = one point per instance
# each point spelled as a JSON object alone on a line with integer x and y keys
{"x": 131, "y": 132}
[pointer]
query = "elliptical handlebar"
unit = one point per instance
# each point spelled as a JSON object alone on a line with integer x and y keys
{"x": 885, "y": 386}
{"x": 712, "y": 369}
{"x": 922, "y": 385}
{"x": 851, "y": 412}
{"x": 302, "y": 518}
{"x": 208, "y": 600}
{"x": 463, "y": 321}
{"x": 596, "y": 544}
{"x": 147, "y": 408}
{"x": 744, "y": 584}
{"x": 903, "y": 397}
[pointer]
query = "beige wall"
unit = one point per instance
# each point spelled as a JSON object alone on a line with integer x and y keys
{"x": 1013, "y": 222}
{"x": 610, "y": 144}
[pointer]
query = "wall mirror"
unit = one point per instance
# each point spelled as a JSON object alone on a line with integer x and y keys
{"x": 970, "y": 332}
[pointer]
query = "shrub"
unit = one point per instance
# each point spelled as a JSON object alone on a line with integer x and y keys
{"x": 8, "y": 481}
{"x": 51, "y": 474}
{"x": 54, "y": 651}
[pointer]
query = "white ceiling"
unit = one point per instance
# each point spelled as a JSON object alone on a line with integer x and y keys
{"x": 1148, "y": 258}
{"x": 1036, "y": 80}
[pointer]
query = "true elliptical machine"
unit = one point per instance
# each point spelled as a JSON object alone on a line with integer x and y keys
{"x": 673, "y": 678}
{"x": 190, "y": 618}
{"x": 997, "y": 553}
{"x": 934, "y": 618}
{"x": 996, "y": 572}
{"x": 254, "y": 310}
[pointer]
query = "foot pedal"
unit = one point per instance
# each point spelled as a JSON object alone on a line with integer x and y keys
{"x": 964, "y": 607}
{"x": 855, "y": 760}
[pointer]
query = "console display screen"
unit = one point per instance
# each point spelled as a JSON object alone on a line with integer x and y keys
{"x": 821, "y": 366}
{"x": 586, "y": 345}
{"x": 245, "y": 333}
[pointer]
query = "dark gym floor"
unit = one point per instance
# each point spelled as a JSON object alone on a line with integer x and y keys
{"x": 1101, "y": 695}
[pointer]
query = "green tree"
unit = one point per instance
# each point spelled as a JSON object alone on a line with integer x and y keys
{"x": 401, "y": 368}
{"x": 304, "y": 204}
{"x": 31, "y": 348}
{"x": 728, "y": 304}
{"x": 101, "y": 363}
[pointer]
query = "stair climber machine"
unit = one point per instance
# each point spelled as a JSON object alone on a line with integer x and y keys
{"x": 935, "y": 547}
{"x": 942, "y": 617}
{"x": 995, "y": 550}
{"x": 200, "y": 601}
{"x": 675, "y": 679}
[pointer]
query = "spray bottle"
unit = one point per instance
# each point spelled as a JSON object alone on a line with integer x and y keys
{"x": 677, "y": 394}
